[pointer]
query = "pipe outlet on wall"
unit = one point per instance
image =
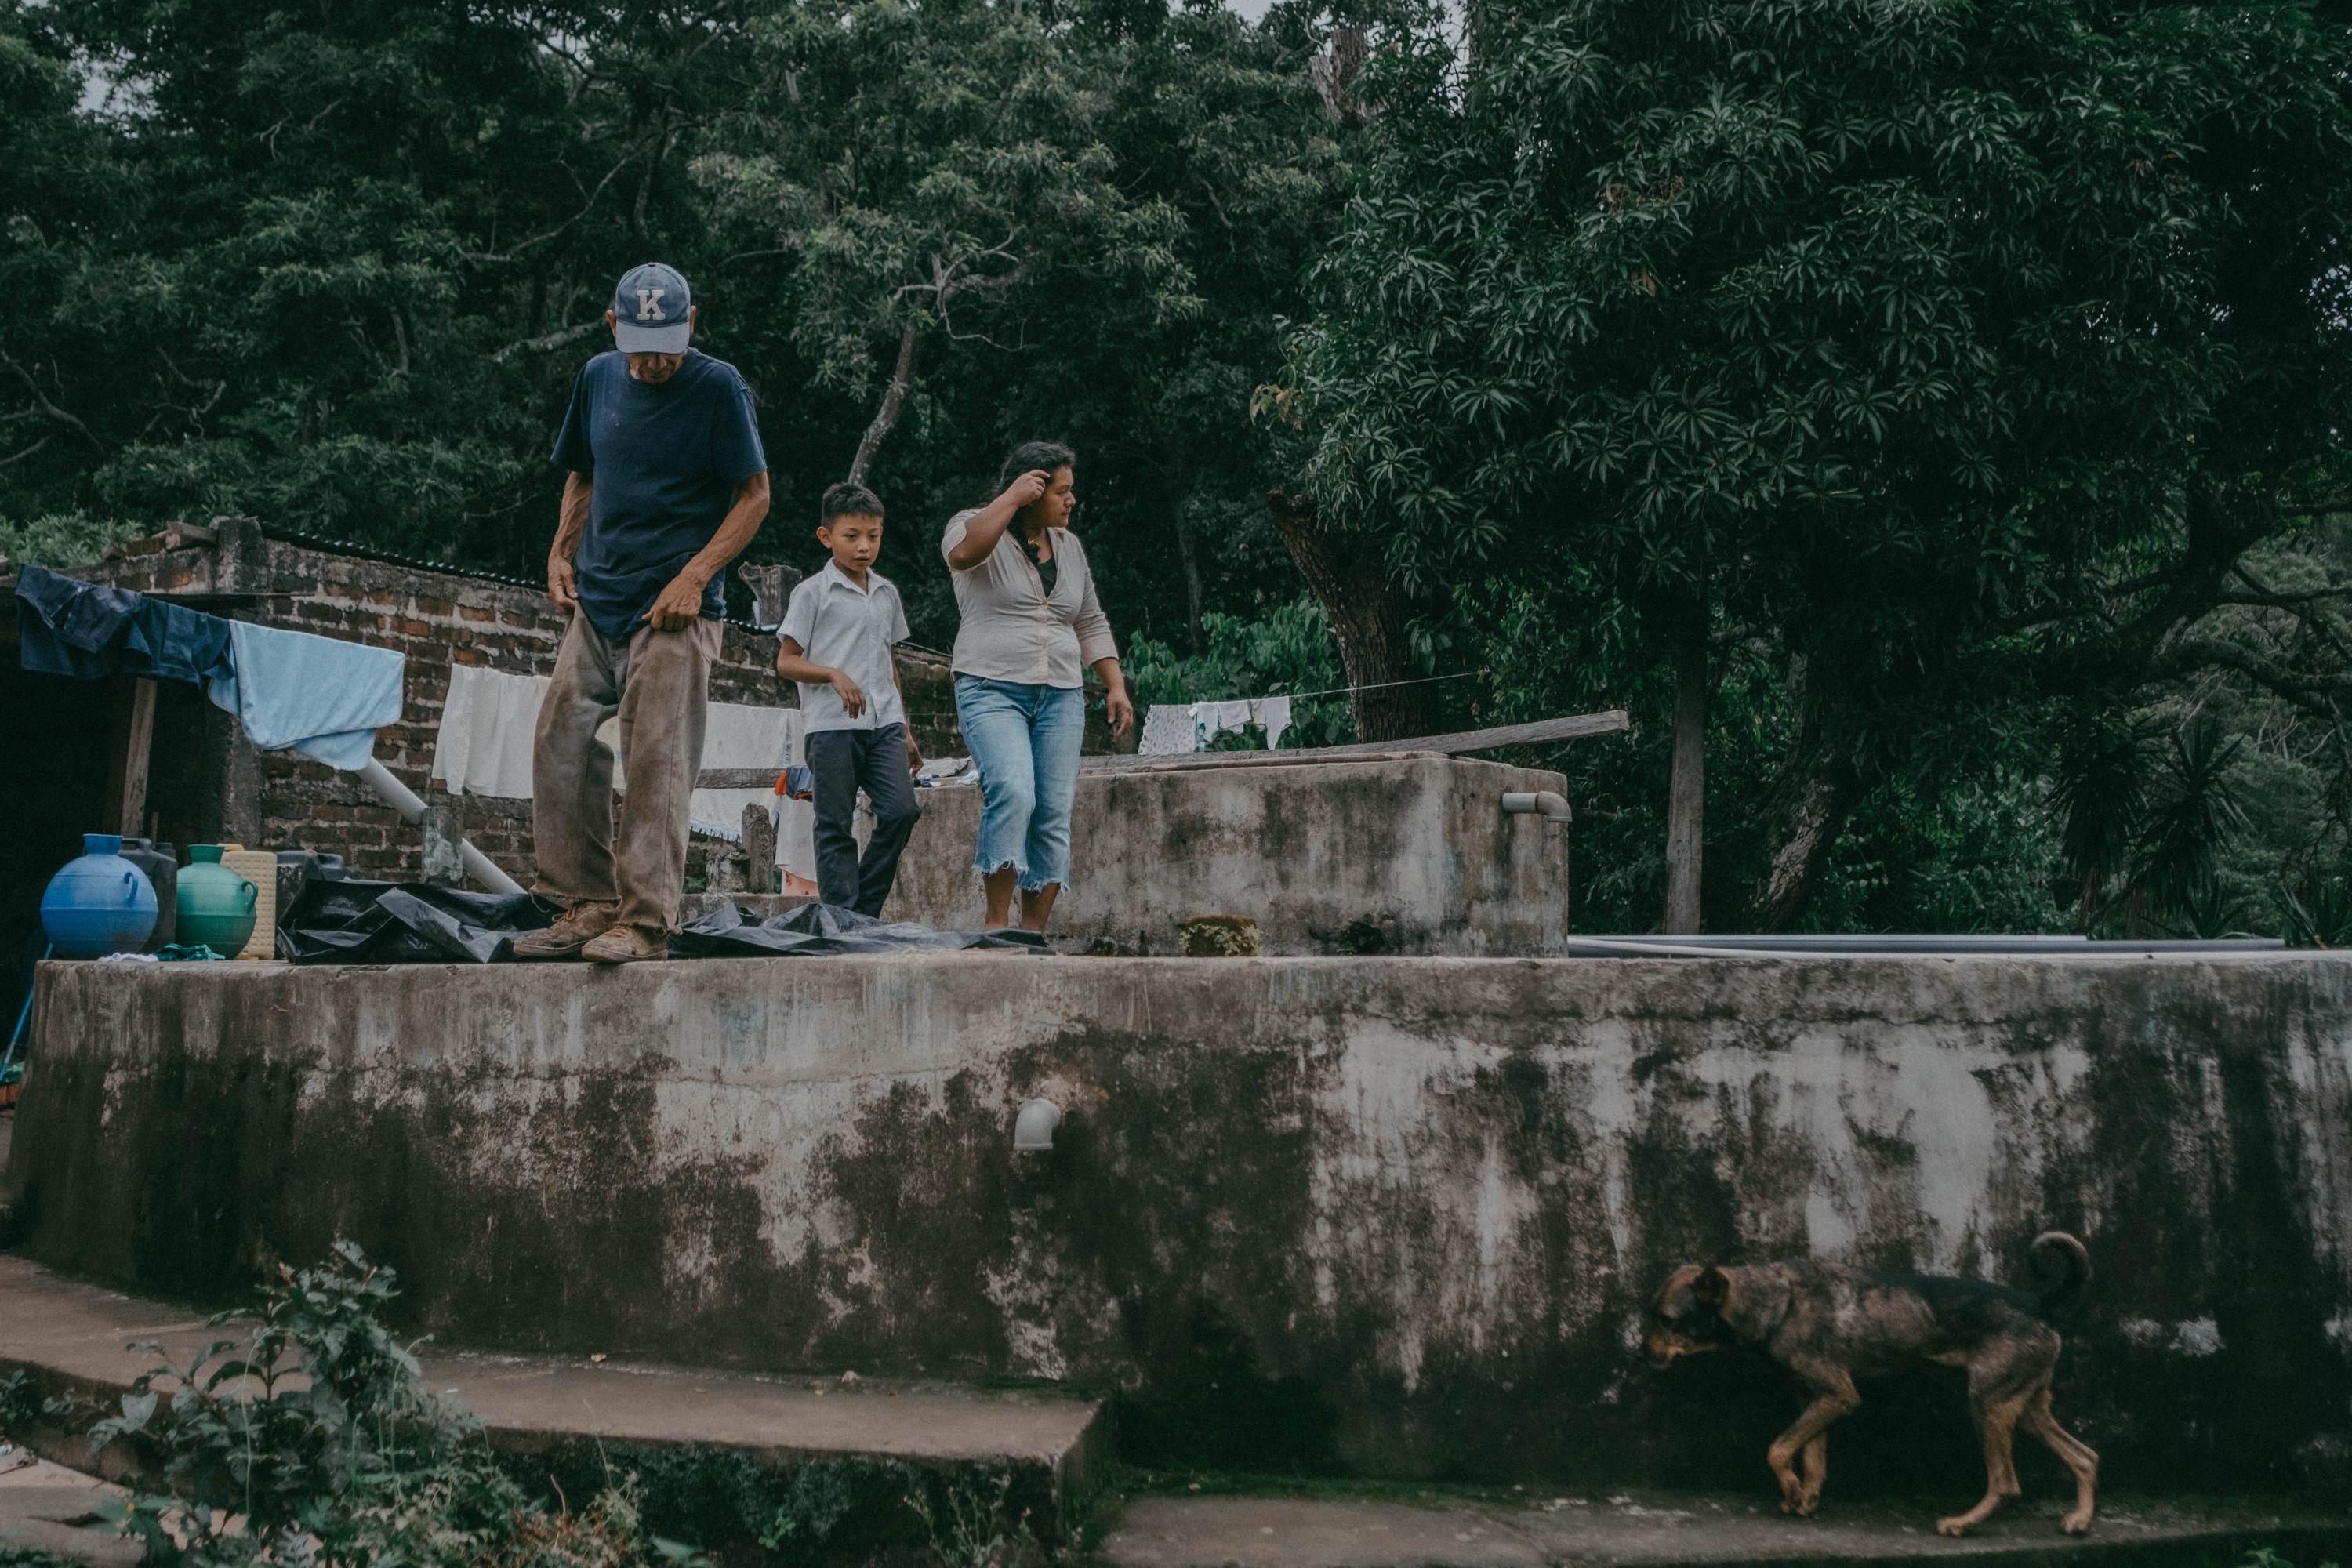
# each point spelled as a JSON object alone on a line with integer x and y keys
{"x": 1033, "y": 1128}
{"x": 1550, "y": 804}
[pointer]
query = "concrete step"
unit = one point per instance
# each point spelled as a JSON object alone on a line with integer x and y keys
{"x": 1678, "y": 1530}
{"x": 71, "y": 1339}
{"x": 45, "y": 1507}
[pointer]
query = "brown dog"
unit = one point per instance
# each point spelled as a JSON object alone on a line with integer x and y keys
{"x": 1830, "y": 1324}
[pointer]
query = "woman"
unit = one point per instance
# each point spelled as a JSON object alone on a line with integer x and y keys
{"x": 1031, "y": 625}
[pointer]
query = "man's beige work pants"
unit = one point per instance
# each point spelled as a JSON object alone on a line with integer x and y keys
{"x": 589, "y": 850}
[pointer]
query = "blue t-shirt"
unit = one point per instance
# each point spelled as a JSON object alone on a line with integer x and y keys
{"x": 664, "y": 460}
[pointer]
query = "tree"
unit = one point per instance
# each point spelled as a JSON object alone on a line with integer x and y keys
{"x": 919, "y": 168}
{"x": 1900, "y": 337}
{"x": 345, "y": 257}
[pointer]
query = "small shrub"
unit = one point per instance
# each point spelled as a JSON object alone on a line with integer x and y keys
{"x": 313, "y": 1442}
{"x": 968, "y": 1521}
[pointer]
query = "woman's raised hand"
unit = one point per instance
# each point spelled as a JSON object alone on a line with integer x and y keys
{"x": 1027, "y": 488}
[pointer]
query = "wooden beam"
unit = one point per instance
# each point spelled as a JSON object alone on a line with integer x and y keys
{"x": 126, "y": 774}
{"x": 1461, "y": 743}
{"x": 737, "y": 778}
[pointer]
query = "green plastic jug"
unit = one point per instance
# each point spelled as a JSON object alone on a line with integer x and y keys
{"x": 216, "y": 906}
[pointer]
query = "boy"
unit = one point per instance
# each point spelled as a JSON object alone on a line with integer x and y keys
{"x": 836, "y": 642}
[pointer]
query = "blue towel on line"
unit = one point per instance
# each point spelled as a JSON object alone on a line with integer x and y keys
{"x": 321, "y": 696}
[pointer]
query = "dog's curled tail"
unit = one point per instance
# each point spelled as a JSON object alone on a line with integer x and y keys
{"x": 2063, "y": 1266}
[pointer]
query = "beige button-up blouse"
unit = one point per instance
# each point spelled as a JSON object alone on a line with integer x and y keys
{"x": 1011, "y": 630}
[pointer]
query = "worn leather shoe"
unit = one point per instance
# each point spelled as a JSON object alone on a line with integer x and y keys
{"x": 627, "y": 944}
{"x": 571, "y": 930}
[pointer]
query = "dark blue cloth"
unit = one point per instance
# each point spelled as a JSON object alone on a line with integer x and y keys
{"x": 68, "y": 628}
{"x": 664, "y": 460}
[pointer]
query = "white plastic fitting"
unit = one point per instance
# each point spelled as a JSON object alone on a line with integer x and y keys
{"x": 1550, "y": 804}
{"x": 1032, "y": 1128}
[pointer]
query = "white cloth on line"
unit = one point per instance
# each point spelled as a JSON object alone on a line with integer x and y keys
{"x": 1272, "y": 715}
{"x": 1211, "y": 720}
{"x": 486, "y": 724}
{"x": 320, "y": 696}
{"x": 738, "y": 735}
{"x": 488, "y": 721}
{"x": 489, "y": 717}
{"x": 1168, "y": 730}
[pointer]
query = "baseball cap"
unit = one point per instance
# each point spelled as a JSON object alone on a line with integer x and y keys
{"x": 650, "y": 311}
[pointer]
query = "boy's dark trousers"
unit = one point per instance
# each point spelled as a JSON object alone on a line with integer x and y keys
{"x": 843, "y": 762}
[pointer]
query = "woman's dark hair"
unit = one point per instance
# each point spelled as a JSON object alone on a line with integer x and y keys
{"x": 1047, "y": 454}
{"x": 846, "y": 500}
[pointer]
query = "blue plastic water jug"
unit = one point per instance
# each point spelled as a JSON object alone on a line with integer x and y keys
{"x": 98, "y": 904}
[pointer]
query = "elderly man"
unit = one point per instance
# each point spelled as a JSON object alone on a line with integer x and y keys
{"x": 666, "y": 484}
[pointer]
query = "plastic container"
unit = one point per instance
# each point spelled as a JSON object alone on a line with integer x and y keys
{"x": 258, "y": 866}
{"x": 162, "y": 869}
{"x": 217, "y": 907}
{"x": 99, "y": 904}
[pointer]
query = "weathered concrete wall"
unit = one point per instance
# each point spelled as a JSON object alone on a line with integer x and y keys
{"x": 1388, "y": 1216}
{"x": 1393, "y": 856}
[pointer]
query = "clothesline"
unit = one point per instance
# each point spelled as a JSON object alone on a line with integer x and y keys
{"x": 1371, "y": 685}
{"x": 1294, "y": 696}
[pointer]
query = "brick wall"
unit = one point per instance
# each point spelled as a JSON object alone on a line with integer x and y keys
{"x": 281, "y": 799}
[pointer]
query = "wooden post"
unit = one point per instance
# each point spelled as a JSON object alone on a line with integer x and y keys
{"x": 758, "y": 851}
{"x": 126, "y": 774}
{"x": 1687, "y": 787}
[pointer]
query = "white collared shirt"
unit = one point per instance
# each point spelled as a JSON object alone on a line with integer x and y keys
{"x": 843, "y": 626}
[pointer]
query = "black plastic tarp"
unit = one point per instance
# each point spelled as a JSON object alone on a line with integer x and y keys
{"x": 815, "y": 929}
{"x": 354, "y": 921}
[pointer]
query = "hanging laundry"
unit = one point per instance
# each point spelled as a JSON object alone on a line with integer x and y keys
{"x": 1211, "y": 720}
{"x": 738, "y": 735}
{"x": 90, "y": 631}
{"x": 1271, "y": 714}
{"x": 488, "y": 723}
{"x": 320, "y": 696}
{"x": 1170, "y": 730}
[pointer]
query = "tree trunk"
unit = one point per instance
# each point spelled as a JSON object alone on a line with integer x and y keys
{"x": 1813, "y": 826}
{"x": 1687, "y": 788}
{"x": 1368, "y": 616}
{"x": 1819, "y": 788}
{"x": 894, "y": 399}
{"x": 1188, "y": 550}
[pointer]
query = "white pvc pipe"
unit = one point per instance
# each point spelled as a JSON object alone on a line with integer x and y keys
{"x": 1550, "y": 804}
{"x": 1685, "y": 950}
{"x": 403, "y": 799}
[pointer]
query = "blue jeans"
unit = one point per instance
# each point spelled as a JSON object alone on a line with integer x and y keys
{"x": 1024, "y": 740}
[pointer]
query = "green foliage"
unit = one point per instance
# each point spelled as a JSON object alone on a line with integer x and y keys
{"x": 337, "y": 267}
{"x": 2268, "y": 1557}
{"x": 312, "y": 1440}
{"x": 12, "y": 1556}
{"x": 1951, "y": 357}
{"x": 62, "y": 539}
{"x": 968, "y": 1522}
{"x": 916, "y": 168}
{"x": 19, "y": 1402}
{"x": 816, "y": 1499}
